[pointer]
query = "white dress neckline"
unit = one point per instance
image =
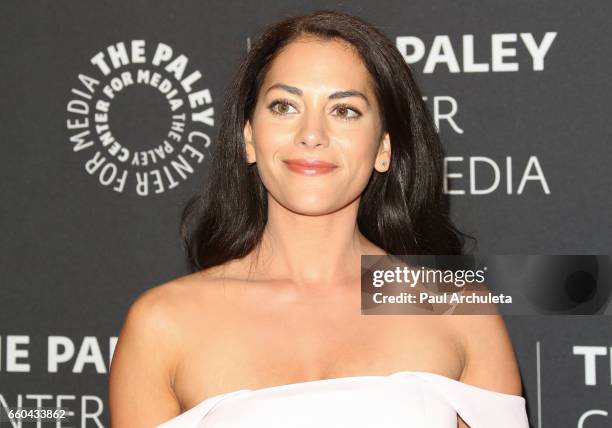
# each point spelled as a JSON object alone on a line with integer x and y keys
{"x": 461, "y": 394}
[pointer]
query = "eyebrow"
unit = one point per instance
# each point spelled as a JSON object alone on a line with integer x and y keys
{"x": 334, "y": 96}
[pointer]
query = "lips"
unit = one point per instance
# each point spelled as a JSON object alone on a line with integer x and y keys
{"x": 309, "y": 166}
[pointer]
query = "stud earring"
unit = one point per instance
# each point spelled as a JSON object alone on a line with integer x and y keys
{"x": 383, "y": 163}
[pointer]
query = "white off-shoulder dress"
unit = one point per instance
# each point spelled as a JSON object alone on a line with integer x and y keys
{"x": 407, "y": 399}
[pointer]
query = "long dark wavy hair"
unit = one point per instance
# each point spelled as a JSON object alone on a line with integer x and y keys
{"x": 403, "y": 211}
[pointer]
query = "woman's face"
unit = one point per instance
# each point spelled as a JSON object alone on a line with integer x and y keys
{"x": 317, "y": 102}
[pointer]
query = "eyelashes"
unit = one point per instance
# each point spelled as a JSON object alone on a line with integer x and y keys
{"x": 287, "y": 103}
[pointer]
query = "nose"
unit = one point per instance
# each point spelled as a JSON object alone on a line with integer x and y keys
{"x": 312, "y": 133}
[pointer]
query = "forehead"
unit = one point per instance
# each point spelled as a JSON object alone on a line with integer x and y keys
{"x": 315, "y": 64}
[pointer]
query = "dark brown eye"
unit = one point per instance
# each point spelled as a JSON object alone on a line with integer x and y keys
{"x": 280, "y": 107}
{"x": 344, "y": 112}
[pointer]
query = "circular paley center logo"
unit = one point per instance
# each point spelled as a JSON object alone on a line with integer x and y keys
{"x": 142, "y": 116}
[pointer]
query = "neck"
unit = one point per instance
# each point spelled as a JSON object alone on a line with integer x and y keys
{"x": 312, "y": 252}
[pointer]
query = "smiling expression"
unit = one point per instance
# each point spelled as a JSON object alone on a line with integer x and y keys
{"x": 316, "y": 133}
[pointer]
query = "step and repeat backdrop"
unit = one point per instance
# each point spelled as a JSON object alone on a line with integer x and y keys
{"x": 109, "y": 112}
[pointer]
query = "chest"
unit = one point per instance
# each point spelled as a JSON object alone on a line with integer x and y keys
{"x": 258, "y": 349}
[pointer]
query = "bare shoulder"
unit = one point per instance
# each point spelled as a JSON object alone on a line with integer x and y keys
{"x": 490, "y": 361}
{"x": 162, "y": 313}
{"x": 156, "y": 306}
{"x": 142, "y": 368}
{"x": 157, "y": 310}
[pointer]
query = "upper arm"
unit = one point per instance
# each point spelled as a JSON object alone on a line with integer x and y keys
{"x": 490, "y": 362}
{"x": 140, "y": 381}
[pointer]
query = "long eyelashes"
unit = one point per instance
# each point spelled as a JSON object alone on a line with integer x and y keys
{"x": 285, "y": 102}
{"x": 274, "y": 103}
{"x": 347, "y": 107}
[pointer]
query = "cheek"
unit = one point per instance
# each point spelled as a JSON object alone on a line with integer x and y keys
{"x": 360, "y": 140}
{"x": 359, "y": 157}
{"x": 269, "y": 135}
{"x": 360, "y": 173}
{"x": 268, "y": 145}
{"x": 359, "y": 152}
{"x": 271, "y": 138}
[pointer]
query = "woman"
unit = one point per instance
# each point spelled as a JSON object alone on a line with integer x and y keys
{"x": 326, "y": 152}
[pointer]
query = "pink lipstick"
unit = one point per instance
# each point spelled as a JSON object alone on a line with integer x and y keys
{"x": 309, "y": 167}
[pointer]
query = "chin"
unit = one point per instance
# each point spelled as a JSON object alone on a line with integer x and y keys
{"x": 312, "y": 206}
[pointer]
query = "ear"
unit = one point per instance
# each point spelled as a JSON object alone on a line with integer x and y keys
{"x": 248, "y": 142}
{"x": 383, "y": 157}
